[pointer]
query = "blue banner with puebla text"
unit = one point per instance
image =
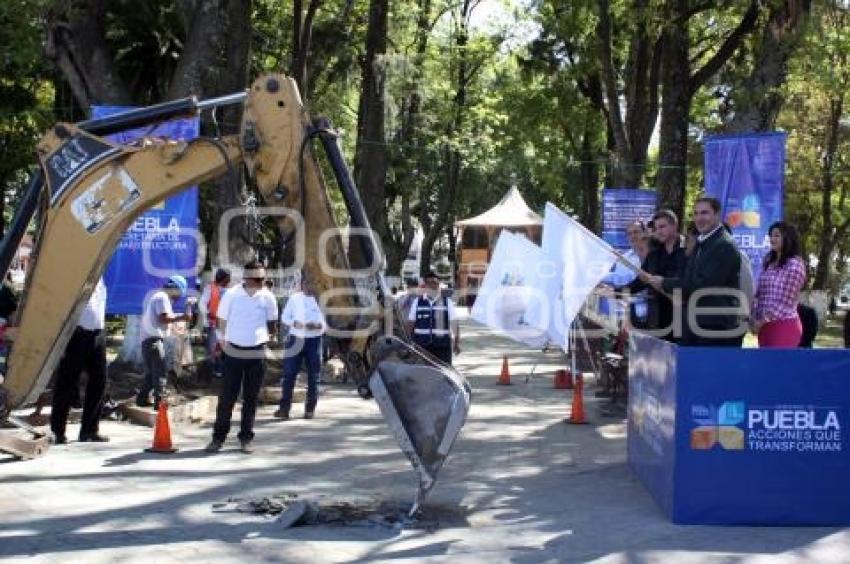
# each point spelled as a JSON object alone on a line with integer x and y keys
{"x": 621, "y": 207}
{"x": 746, "y": 173}
{"x": 160, "y": 242}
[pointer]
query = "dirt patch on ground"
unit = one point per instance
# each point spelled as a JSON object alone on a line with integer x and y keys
{"x": 348, "y": 512}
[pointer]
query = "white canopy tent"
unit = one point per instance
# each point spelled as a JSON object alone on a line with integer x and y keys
{"x": 511, "y": 211}
{"x": 478, "y": 236}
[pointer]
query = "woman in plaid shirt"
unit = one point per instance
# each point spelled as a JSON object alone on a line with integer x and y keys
{"x": 783, "y": 275}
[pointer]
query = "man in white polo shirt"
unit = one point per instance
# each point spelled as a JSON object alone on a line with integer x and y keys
{"x": 85, "y": 351}
{"x": 306, "y": 324}
{"x": 246, "y": 317}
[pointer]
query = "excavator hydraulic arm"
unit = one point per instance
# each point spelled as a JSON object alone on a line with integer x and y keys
{"x": 92, "y": 189}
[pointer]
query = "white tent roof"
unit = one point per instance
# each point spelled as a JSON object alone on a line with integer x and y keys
{"x": 511, "y": 211}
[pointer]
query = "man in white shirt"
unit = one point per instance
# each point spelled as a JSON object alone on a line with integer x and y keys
{"x": 157, "y": 316}
{"x": 621, "y": 275}
{"x": 85, "y": 351}
{"x": 432, "y": 320}
{"x": 246, "y": 317}
{"x": 306, "y": 324}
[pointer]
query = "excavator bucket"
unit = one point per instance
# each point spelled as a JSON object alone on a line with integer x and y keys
{"x": 424, "y": 401}
{"x": 425, "y": 404}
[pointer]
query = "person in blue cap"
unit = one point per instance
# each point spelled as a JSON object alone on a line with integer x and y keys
{"x": 158, "y": 314}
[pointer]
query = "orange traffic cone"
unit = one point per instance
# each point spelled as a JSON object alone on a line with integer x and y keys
{"x": 162, "y": 432}
{"x": 577, "y": 412}
{"x": 505, "y": 376}
{"x": 563, "y": 379}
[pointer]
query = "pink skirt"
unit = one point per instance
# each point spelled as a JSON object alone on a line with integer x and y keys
{"x": 781, "y": 334}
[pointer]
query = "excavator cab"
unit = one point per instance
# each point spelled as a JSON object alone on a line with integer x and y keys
{"x": 90, "y": 190}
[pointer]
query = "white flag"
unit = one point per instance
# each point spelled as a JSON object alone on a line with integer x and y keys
{"x": 509, "y": 287}
{"x": 575, "y": 262}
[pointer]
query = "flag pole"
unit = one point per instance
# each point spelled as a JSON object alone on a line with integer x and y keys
{"x": 573, "y": 346}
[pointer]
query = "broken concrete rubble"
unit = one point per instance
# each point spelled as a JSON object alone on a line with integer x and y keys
{"x": 290, "y": 511}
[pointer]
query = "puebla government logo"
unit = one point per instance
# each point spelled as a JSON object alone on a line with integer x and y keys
{"x": 718, "y": 426}
{"x": 779, "y": 428}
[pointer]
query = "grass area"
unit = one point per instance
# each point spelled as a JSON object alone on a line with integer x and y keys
{"x": 831, "y": 333}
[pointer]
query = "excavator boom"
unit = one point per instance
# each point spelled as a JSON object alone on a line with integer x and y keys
{"x": 93, "y": 190}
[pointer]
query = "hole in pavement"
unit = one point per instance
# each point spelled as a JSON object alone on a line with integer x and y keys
{"x": 291, "y": 510}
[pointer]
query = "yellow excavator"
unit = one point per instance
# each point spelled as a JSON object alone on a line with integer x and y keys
{"x": 89, "y": 190}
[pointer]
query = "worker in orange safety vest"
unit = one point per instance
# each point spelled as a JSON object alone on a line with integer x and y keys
{"x": 210, "y": 298}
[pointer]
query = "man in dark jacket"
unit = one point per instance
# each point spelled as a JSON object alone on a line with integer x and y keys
{"x": 666, "y": 259}
{"x": 710, "y": 280}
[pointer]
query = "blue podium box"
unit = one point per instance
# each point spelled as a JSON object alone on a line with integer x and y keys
{"x": 733, "y": 436}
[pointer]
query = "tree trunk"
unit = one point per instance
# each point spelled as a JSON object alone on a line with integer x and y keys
{"x": 302, "y": 35}
{"x": 371, "y": 162}
{"x": 758, "y": 101}
{"x": 678, "y": 88}
{"x": 589, "y": 171}
{"x": 630, "y": 133}
{"x": 675, "y": 111}
{"x": 201, "y": 59}
{"x": 452, "y": 158}
{"x": 232, "y": 76}
{"x": 76, "y": 43}
{"x": 405, "y": 159}
{"x": 829, "y": 235}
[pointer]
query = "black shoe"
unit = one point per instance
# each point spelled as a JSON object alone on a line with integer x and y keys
{"x": 280, "y": 414}
{"x": 94, "y": 438}
{"x": 308, "y": 415}
{"x": 59, "y": 440}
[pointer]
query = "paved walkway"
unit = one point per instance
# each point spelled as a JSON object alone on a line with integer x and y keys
{"x": 521, "y": 486}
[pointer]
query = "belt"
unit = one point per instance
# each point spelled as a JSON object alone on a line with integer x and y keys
{"x": 88, "y": 331}
{"x": 251, "y": 348}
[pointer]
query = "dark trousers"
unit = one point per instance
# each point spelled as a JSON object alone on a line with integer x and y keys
{"x": 86, "y": 351}
{"x": 153, "y": 356}
{"x": 441, "y": 349}
{"x": 213, "y": 355}
{"x": 300, "y": 350}
{"x": 244, "y": 370}
{"x": 444, "y": 353}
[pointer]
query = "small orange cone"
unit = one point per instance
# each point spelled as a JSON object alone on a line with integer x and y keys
{"x": 577, "y": 412}
{"x": 162, "y": 432}
{"x": 563, "y": 379}
{"x": 505, "y": 376}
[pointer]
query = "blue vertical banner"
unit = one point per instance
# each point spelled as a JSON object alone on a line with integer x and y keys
{"x": 621, "y": 207}
{"x": 747, "y": 174}
{"x": 160, "y": 242}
